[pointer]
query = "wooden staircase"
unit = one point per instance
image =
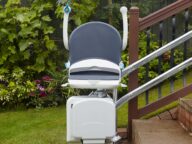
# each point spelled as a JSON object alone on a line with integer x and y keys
{"x": 159, "y": 132}
{"x": 170, "y": 127}
{"x": 139, "y": 25}
{"x": 166, "y": 131}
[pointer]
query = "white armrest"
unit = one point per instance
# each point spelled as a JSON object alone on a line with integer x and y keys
{"x": 123, "y": 11}
{"x": 65, "y": 28}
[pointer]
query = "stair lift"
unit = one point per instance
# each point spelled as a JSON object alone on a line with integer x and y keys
{"x": 94, "y": 55}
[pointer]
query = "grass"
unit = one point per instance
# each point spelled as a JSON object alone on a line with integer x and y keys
{"x": 45, "y": 126}
{"x": 48, "y": 126}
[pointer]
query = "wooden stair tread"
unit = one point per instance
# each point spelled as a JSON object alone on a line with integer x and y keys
{"x": 159, "y": 132}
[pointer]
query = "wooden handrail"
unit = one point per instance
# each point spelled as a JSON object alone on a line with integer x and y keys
{"x": 164, "y": 13}
{"x": 165, "y": 100}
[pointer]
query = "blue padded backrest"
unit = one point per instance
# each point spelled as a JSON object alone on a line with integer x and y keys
{"x": 95, "y": 40}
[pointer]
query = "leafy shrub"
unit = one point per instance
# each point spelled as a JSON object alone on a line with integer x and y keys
{"x": 28, "y": 51}
{"x": 25, "y": 36}
{"x": 26, "y": 47}
{"x": 81, "y": 11}
{"x": 153, "y": 65}
{"x": 13, "y": 88}
{"x": 48, "y": 91}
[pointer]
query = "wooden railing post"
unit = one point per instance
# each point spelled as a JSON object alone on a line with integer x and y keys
{"x": 133, "y": 51}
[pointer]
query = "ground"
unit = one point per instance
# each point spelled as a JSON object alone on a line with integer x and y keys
{"x": 45, "y": 126}
{"x": 48, "y": 126}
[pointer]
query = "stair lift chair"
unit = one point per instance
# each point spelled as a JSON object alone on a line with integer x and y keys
{"x": 94, "y": 55}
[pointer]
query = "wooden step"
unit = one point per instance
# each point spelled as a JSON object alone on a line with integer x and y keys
{"x": 185, "y": 114}
{"x": 159, "y": 132}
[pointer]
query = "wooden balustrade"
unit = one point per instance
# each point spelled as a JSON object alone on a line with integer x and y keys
{"x": 136, "y": 25}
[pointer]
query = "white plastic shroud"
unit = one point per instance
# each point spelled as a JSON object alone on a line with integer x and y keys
{"x": 90, "y": 118}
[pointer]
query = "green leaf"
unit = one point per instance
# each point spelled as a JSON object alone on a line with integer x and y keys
{"x": 4, "y": 31}
{"x": 3, "y": 15}
{"x": 4, "y": 70}
{"x": 24, "y": 44}
{"x": 34, "y": 34}
{"x": 78, "y": 21}
{"x": 46, "y": 18}
{"x": 31, "y": 14}
{"x": 50, "y": 44}
{"x": 38, "y": 67}
{"x": 3, "y": 92}
{"x": 51, "y": 64}
{"x": 11, "y": 37}
{"x": 14, "y": 58}
{"x": 12, "y": 2}
{"x": 48, "y": 30}
{"x": 26, "y": 31}
{"x": 11, "y": 84}
{"x": 12, "y": 49}
{"x": 36, "y": 24}
{"x": 20, "y": 17}
{"x": 4, "y": 58}
{"x": 40, "y": 59}
{"x": 26, "y": 55}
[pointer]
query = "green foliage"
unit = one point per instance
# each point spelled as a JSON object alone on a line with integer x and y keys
{"x": 28, "y": 51}
{"x": 153, "y": 65}
{"x": 102, "y": 14}
{"x": 81, "y": 11}
{"x": 25, "y": 47}
{"x": 49, "y": 92}
{"x": 13, "y": 88}
{"x": 25, "y": 36}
